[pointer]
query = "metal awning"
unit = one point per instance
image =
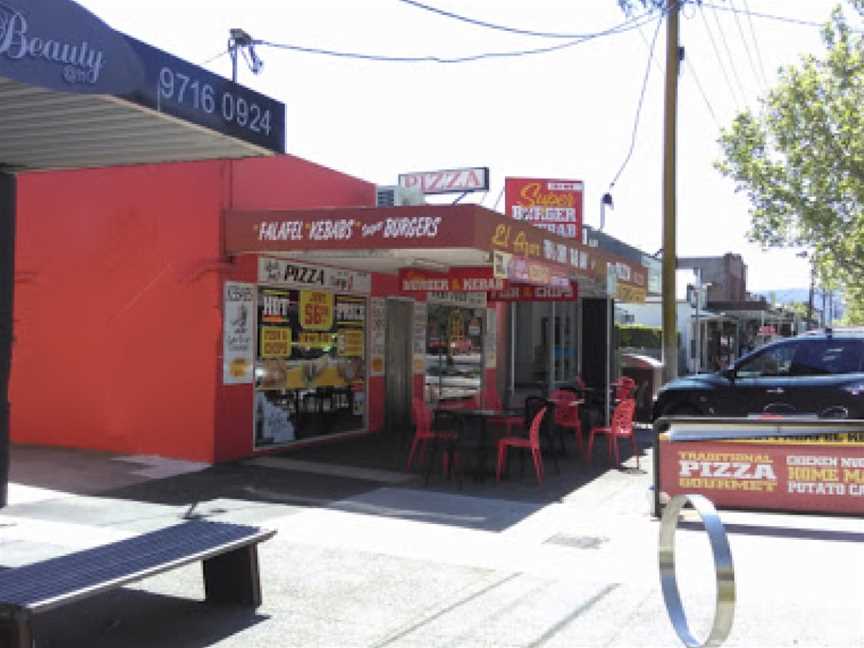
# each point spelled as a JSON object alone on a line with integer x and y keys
{"x": 76, "y": 93}
{"x": 46, "y": 129}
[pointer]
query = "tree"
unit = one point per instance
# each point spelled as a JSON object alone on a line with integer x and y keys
{"x": 801, "y": 160}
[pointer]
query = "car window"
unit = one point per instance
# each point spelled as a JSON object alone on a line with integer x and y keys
{"x": 827, "y": 357}
{"x": 773, "y": 361}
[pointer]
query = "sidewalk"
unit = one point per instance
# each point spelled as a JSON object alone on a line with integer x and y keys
{"x": 367, "y": 559}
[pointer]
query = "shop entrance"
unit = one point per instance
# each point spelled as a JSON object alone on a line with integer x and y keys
{"x": 398, "y": 372}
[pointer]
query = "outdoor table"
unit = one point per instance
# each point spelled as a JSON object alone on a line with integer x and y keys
{"x": 482, "y": 415}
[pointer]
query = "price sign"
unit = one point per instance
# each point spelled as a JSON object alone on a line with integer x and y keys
{"x": 316, "y": 310}
{"x": 275, "y": 341}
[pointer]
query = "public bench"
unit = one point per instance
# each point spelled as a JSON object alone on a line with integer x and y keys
{"x": 229, "y": 553}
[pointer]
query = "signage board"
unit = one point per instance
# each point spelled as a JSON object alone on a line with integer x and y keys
{"x": 554, "y": 205}
{"x": 518, "y": 293}
{"x": 447, "y": 181}
{"x": 467, "y": 279}
{"x": 316, "y": 310}
{"x": 59, "y": 45}
{"x": 181, "y": 89}
{"x": 377, "y": 335}
{"x": 281, "y": 272}
{"x": 826, "y": 477}
{"x": 765, "y": 462}
{"x": 461, "y": 299}
{"x": 238, "y": 333}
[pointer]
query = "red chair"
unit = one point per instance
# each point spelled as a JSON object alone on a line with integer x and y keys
{"x": 567, "y": 414}
{"x": 625, "y": 387}
{"x": 621, "y": 427}
{"x": 491, "y": 400}
{"x": 532, "y": 443}
{"x": 424, "y": 433}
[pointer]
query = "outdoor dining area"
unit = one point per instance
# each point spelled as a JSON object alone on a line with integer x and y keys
{"x": 478, "y": 437}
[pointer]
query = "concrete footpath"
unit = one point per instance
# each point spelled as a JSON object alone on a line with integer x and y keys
{"x": 374, "y": 558}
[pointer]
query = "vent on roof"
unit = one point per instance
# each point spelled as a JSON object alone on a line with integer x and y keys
{"x": 396, "y": 196}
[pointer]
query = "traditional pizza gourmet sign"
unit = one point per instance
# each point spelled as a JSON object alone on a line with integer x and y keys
{"x": 767, "y": 475}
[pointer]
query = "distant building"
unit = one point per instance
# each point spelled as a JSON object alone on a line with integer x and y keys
{"x": 727, "y": 275}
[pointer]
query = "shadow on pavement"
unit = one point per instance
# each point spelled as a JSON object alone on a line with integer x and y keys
{"x": 133, "y": 618}
{"x": 252, "y": 493}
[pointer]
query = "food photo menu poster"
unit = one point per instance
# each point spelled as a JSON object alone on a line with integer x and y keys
{"x": 238, "y": 333}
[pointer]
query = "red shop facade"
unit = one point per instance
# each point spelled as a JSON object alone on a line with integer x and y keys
{"x": 212, "y": 310}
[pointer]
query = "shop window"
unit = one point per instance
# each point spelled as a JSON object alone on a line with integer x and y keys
{"x": 310, "y": 374}
{"x": 454, "y": 353}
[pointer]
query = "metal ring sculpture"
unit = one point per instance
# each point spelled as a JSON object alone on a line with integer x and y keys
{"x": 724, "y": 611}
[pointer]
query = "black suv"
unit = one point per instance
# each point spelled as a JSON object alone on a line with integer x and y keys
{"x": 819, "y": 373}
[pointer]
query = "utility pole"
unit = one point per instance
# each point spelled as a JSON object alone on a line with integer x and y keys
{"x": 670, "y": 257}
{"x": 810, "y": 298}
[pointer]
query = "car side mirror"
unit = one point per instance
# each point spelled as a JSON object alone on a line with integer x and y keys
{"x": 729, "y": 374}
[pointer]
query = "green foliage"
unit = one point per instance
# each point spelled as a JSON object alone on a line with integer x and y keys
{"x": 638, "y": 335}
{"x": 801, "y": 161}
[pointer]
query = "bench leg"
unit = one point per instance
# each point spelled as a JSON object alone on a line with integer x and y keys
{"x": 15, "y": 629}
{"x": 233, "y": 577}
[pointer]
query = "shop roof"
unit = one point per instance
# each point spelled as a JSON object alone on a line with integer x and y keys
{"x": 432, "y": 237}
{"x": 81, "y": 94}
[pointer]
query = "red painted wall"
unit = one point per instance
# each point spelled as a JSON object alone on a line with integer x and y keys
{"x": 118, "y": 301}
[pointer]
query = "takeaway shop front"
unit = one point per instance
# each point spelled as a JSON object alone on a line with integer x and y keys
{"x": 359, "y": 309}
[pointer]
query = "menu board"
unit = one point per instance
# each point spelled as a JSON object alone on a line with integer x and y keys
{"x": 420, "y": 322}
{"x": 491, "y": 350}
{"x": 377, "y": 335}
{"x": 769, "y": 475}
{"x": 238, "y": 333}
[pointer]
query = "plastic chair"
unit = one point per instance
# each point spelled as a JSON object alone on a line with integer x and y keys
{"x": 491, "y": 400}
{"x": 567, "y": 415}
{"x": 621, "y": 427}
{"x": 424, "y": 433}
{"x": 625, "y": 387}
{"x": 534, "y": 404}
{"x": 532, "y": 443}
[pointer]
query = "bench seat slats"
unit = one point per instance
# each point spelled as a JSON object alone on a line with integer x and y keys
{"x": 87, "y": 572}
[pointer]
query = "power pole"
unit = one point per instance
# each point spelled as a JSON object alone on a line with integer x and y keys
{"x": 670, "y": 258}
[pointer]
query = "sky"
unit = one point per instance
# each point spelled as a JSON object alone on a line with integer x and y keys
{"x": 564, "y": 114}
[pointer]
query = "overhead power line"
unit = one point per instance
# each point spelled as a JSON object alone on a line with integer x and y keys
{"x": 702, "y": 92}
{"x": 746, "y": 47}
{"x": 214, "y": 58}
{"x": 720, "y": 60}
{"x": 505, "y": 28}
{"x": 639, "y": 106}
{"x": 756, "y": 43}
{"x": 627, "y": 25}
{"x": 731, "y": 58}
{"x": 756, "y": 14}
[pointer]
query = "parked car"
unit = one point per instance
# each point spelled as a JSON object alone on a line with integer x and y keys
{"x": 819, "y": 373}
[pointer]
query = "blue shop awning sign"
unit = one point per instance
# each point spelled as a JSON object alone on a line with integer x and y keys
{"x": 60, "y": 46}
